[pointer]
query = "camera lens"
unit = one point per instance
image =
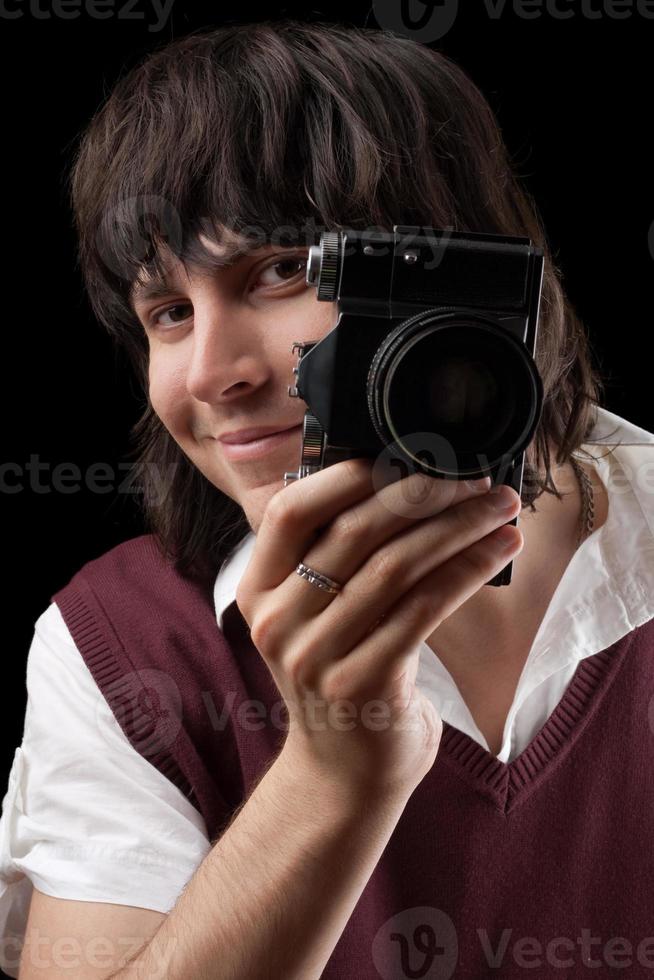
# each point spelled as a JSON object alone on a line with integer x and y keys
{"x": 463, "y": 382}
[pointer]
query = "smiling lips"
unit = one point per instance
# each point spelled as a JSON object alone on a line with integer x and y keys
{"x": 249, "y": 435}
{"x": 258, "y": 447}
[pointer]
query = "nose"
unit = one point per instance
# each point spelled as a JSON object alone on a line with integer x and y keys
{"x": 226, "y": 355}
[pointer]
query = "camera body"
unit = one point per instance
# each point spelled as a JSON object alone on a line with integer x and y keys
{"x": 431, "y": 362}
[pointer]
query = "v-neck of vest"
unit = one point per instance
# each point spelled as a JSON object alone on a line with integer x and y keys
{"x": 508, "y": 784}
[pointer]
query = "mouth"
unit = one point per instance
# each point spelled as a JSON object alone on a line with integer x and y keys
{"x": 241, "y": 451}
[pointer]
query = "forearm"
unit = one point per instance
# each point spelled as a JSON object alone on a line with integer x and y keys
{"x": 272, "y": 897}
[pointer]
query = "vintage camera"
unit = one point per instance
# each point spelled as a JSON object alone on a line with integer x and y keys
{"x": 431, "y": 360}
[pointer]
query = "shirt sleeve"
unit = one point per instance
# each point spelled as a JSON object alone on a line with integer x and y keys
{"x": 85, "y": 816}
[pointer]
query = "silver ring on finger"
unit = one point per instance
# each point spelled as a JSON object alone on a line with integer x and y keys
{"x": 318, "y": 579}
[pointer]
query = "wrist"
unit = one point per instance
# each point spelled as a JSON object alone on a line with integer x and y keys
{"x": 337, "y": 787}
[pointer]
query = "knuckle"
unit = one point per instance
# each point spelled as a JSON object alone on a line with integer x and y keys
{"x": 336, "y": 684}
{"x": 475, "y": 560}
{"x": 287, "y": 507}
{"x": 300, "y": 669}
{"x": 264, "y": 631}
{"x": 356, "y": 468}
{"x": 349, "y": 524}
{"x": 382, "y": 566}
{"x": 419, "y": 607}
{"x": 282, "y": 509}
{"x": 468, "y": 516}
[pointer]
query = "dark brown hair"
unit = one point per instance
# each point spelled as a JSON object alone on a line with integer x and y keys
{"x": 265, "y": 125}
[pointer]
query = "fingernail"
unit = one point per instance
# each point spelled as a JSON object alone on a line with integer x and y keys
{"x": 503, "y": 498}
{"x": 478, "y": 485}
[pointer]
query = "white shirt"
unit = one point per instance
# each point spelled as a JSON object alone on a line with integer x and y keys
{"x": 86, "y": 817}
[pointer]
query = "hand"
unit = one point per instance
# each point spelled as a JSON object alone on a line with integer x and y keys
{"x": 346, "y": 664}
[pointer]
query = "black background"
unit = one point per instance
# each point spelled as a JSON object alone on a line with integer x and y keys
{"x": 573, "y": 100}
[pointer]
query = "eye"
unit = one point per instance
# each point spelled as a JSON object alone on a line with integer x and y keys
{"x": 155, "y": 321}
{"x": 293, "y": 265}
{"x": 289, "y": 263}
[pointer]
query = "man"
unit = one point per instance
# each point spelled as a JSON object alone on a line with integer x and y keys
{"x": 285, "y": 868}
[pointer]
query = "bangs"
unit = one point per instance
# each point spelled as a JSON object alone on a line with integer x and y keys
{"x": 139, "y": 238}
{"x": 255, "y": 135}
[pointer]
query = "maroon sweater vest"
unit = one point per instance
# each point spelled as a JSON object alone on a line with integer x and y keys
{"x": 540, "y": 868}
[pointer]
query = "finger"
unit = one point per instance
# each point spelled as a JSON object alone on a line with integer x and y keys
{"x": 388, "y": 649}
{"x": 382, "y": 581}
{"x": 359, "y": 532}
{"x": 297, "y": 514}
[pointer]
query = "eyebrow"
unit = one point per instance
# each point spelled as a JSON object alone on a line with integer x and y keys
{"x": 158, "y": 287}
{"x": 155, "y": 289}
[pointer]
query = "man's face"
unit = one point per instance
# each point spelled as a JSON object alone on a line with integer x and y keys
{"x": 221, "y": 361}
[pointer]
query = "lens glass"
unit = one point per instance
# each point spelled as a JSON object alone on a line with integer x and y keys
{"x": 468, "y": 384}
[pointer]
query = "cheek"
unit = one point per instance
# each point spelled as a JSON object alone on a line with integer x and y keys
{"x": 165, "y": 389}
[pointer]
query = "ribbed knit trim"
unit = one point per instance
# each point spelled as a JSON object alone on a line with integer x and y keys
{"x": 106, "y": 671}
{"x": 508, "y": 784}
